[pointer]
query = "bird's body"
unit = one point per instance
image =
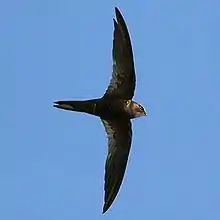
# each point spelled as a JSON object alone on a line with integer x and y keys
{"x": 115, "y": 109}
{"x": 107, "y": 109}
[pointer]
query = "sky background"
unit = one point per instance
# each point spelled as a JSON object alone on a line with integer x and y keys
{"x": 52, "y": 161}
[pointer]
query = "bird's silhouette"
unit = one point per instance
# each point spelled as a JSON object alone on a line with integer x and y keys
{"x": 115, "y": 110}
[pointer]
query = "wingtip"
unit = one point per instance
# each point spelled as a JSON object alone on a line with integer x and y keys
{"x": 117, "y": 12}
{"x": 105, "y": 208}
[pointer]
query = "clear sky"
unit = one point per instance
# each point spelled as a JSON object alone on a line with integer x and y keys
{"x": 52, "y": 161}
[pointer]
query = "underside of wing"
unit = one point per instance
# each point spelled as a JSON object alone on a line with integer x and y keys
{"x": 122, "y": 84}
{"x": 119, "y": 143}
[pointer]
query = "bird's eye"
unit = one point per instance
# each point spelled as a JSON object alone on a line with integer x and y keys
{"x": 141, "y": 108}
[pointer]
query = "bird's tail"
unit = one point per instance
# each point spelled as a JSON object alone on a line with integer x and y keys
{"x": 87, "y": 106}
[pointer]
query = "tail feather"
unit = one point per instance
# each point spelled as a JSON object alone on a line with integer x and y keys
{"x": 87, "y": 106}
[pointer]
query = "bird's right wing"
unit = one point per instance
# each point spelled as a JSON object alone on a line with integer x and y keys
{"x": 122, "y": 84}
{"x": 119, "y": 142}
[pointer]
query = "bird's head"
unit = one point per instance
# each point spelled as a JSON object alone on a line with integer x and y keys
{"x": 135, "y": 109}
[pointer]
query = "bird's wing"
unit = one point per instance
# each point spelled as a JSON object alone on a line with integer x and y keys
{"x": 119, "y": 142}
{"x": 122, "y": 84}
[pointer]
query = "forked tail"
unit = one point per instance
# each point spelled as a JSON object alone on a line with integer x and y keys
{"x": 87, "y": 106}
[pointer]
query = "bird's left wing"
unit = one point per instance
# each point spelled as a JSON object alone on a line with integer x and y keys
{"x": 122, "y": 84}
{"x": 119, "y": 142}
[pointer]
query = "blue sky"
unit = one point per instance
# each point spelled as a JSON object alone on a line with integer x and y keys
{"x": 52, "y": 161}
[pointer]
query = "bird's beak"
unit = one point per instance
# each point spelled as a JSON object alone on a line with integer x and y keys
{"x": 62, "y": 105}
{"x": 144, "y": 113}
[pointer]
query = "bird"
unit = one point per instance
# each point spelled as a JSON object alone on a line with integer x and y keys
{"x": 115, "y": 109}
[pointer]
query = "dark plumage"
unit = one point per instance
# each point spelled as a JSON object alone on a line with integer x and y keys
{"x": 115, "y": 109}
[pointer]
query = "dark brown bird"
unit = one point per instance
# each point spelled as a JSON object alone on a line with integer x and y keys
{"x": 115, "y": 109}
